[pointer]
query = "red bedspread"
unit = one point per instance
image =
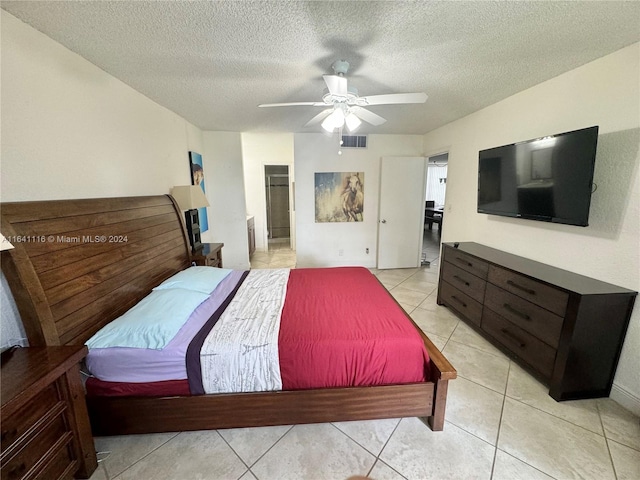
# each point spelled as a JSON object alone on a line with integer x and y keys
{"x": 339, "y": 328}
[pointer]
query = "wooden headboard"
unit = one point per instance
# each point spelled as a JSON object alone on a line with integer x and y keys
{"x": 78, "y": 264}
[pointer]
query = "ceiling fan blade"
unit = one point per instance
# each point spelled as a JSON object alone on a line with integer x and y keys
{"x": 368, "y": 116}
{"x": 336, "y": 84}
{"x": 319, "y": 117}
{"x": 312, "y": 104}
{"x": 393, "y": 98}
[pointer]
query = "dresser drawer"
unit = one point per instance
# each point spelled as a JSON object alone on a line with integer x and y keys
{"x": 539, "y": 293}
{"x": 49, "y": 436}
{"x": 535, "y": 320}
{"x": 467, "y": 262}
{"x": 464, "y": 281}
{"x": 59, "y": 464}
{"x": 463, "y": 303}
{"x": 537, "y": 354}
{"x": 46, "y": 432}
{"x": 17, "y": 425}
{"x": 213, "y": 261}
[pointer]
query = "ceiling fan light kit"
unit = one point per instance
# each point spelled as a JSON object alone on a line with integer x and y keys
{"x": 352, "y": 121}
{"x": 345, "y": 106}
{"x": 340, "y": 116}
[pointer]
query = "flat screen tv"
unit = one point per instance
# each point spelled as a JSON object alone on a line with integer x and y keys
{"x": 548, "y": 179}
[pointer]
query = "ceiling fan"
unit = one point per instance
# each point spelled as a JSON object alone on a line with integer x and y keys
{"x": 345, "y": 107}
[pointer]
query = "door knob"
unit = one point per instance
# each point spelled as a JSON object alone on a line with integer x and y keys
{"x": 383, "y": 221}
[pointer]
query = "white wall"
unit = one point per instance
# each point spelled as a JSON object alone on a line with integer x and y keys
{"x": 225, "y": 191}
{"x": 319, "y": 244}
{"x": 605, "y": 92}
{"x": 70, "y": 130}
{"x": 258, "y": 150}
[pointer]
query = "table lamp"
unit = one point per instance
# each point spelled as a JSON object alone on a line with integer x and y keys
{"x": 190, "y": 198}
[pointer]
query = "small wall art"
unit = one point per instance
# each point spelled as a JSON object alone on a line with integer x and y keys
{"x": 339, "y": 196}
{"x": 197, "y": 178}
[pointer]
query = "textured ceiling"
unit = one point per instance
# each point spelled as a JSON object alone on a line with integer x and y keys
{"x": 214, "y": 62}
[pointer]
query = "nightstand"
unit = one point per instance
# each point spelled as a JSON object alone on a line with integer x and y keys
{"x": 45, "y": 426}
{"x": 210, "y": 255}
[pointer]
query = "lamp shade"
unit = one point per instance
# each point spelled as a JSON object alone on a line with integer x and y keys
{"x": 5, "y": 244}
{"x": 189, "y": 197}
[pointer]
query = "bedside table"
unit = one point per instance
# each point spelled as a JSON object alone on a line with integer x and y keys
{"x": 45, "y": 426}
{"x": 210, "y": 255}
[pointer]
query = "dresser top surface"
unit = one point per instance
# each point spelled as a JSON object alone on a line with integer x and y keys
{"x": 565, "y": 279}
{"x": 27, "y": 370}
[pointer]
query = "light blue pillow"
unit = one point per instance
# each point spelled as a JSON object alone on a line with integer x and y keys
{"x": 152, "y": 323}
{"x": 198, "y": 279}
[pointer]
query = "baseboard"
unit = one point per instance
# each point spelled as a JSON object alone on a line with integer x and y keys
{"x": 626, "y": 399}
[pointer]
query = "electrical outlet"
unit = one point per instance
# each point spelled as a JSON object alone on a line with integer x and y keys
{"x": 340, "y": 252}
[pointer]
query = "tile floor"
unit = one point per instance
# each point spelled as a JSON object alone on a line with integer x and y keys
{"x": 431, "y": 245}
{"x": 279, "y": 255}
{"x": 500, "y": 424}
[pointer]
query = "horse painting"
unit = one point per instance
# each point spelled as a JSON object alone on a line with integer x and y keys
{"x": 339, "y": 196}
{"x": 352, "y": 198}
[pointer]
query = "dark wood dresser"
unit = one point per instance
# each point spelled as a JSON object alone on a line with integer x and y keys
{"x": 45, "y": 427}
{"x": 565, "y": 328}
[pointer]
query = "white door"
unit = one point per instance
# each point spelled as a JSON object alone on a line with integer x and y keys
{"x": 402, "y": 184}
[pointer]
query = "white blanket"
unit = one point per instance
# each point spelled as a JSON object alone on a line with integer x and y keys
{"x": 240, "y": 354}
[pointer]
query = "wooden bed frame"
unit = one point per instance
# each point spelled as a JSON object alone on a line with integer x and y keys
{"x": 79, "y": 264}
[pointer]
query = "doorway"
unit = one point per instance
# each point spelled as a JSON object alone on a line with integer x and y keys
{"x": 277, "y": 200}
{"x": 436, "y": 187}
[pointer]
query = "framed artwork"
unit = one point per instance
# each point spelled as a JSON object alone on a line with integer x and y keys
{"x": 197, "y": 178}
{"x": 339, "y": 196}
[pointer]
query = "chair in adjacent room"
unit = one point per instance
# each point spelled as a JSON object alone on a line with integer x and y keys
{"x": 431, "y": 217}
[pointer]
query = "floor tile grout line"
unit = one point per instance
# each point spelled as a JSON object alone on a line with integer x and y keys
{"x": 352, "y": 439}
{"x": 506, "y": 395}
{"x": 613, "y": 464}
{"x": 500, "y": 355}
{"x": 604, "y": 429}
{"x": 470, "y": 433}
{"x": 268, "y": 450}
{"x": 382, "y": 450}
{"x": 555, "y": 416}
{"x": 236, "y": 454}
{"x": 497, "y": 355}
{"x": 388, "y": 466}
{"x": 498, "y": 449}
{"x": 504, "y": 401}
{"x": 606, "y": 441}
{"x": 480, "y": 384}
{"x": 141, "y": 458}
{"x": 618, "y": 442}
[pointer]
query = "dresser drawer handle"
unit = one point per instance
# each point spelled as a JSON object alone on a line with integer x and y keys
{"x": 9, "y": 434}
{"x": 510, "y": 335}
{"x": 520, "y": 287}
{"x": 456, "y": 277}
{"x": 453, "y": 297}
{"x": 518, "y": 313}
{"x": 17, "y": 471}
{"x": 462, "y": 260}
